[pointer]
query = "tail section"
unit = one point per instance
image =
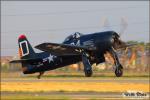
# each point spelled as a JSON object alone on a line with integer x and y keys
{"x": 27, "y": 54}
{"x": 31, "y": 62}
{"x": 25, "y": 49}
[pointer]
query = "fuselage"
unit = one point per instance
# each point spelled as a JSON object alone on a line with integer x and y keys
{"x": 101, "y": 40}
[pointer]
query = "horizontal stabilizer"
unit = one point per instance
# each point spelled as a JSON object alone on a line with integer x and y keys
{"x": 31, "y": 61}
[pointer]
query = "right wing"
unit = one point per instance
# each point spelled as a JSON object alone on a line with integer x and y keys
{"x": 126, "y": 45}
{"x": 63, "y": 49}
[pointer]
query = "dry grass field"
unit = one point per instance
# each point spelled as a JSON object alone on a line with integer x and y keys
{"x": 45, "y": 86}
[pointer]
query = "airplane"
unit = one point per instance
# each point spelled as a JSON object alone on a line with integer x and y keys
{"x": 88, "y": 48}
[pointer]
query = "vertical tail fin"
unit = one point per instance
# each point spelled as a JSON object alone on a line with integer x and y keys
{"x": 25, "y": 49}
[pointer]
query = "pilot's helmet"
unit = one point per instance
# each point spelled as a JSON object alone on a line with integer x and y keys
{"x": 76, "y": 35}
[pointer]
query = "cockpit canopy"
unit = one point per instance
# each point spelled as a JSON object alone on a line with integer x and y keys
{"x": 73, "y": 36}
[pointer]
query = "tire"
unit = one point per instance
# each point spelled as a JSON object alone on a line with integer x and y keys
{"x": 119, "y": 71}
{"x": 88, "y": 73}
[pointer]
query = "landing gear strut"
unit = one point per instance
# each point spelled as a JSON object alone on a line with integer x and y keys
{"x": 118, "y": 68}
{"x": 119, "y": 71}
{"x": 39, "y": 76}
{"x": 87, "y": 66}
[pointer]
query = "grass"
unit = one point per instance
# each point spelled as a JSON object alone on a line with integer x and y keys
{"x": 73, "y": 86}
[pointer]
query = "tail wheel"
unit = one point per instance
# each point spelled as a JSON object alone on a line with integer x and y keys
{"x": 39, "y": 76}
{"x": 88, "y": 73}
{"x": 119, "y": 71}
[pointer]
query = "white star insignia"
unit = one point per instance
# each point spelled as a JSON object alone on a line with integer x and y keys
{"x": 50, "y": 58}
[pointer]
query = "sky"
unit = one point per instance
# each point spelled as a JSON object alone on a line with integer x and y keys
{"x": 53, "y": 21}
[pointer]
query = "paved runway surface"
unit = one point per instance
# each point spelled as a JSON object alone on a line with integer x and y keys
{"x": 120, "y": 80}
{"x": 74, "y": 95}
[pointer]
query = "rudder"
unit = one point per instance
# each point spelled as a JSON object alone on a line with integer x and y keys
{"x": 25, "y": 49}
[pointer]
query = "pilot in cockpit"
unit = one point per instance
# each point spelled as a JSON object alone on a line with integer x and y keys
{"x": 76, "y": 35}
{"x": 73, "y": 38}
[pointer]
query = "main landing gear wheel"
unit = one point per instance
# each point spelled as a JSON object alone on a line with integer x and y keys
{"x": 87, "y": 66}
{"x": 119, "y": 71}
{"x": 88, "y": 73}
{"x": 119, "y": 68}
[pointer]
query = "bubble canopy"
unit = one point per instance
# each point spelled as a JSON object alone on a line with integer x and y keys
{"x": 75, "y": 35}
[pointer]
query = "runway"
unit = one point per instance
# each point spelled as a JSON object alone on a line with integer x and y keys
{"x": 73, "y": 95}
{"x": 90, "y": 79}
{"x": 74, "y": 88}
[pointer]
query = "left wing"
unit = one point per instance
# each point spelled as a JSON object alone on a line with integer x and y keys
{"x": 63, "y": 49}
{"x": 130, "y": 44}
{"x": 126, "y": 45}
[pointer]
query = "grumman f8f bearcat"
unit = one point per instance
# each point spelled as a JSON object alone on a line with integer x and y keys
{"x": 89, "y": 49}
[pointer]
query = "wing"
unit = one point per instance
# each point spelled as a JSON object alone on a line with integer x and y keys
{"x": 127, "y": 45}
{"x": 130, "y": 44}
{"x": 63, "y": 49}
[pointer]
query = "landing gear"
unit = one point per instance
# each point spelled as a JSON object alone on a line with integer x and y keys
{"x": 39, "y": 76}
{"x": 119, "y": 68}
{"x": 119, "y": 71}
{"x": 88, "y": 73}
{"x": 87, "y": 66}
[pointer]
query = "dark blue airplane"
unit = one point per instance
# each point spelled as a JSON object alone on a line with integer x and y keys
{"x": 89, "y": 49}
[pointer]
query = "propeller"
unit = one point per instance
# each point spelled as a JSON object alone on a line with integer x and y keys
{"x": 105, "y": 24}
{"x": 116, "y": 40}
{"x": 123, "y": 25}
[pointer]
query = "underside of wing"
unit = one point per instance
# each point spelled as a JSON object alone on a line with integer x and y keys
{"x": 63, "y": 49}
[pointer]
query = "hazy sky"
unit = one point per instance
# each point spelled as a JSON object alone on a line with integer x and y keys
{"x": 52, "y": 21}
